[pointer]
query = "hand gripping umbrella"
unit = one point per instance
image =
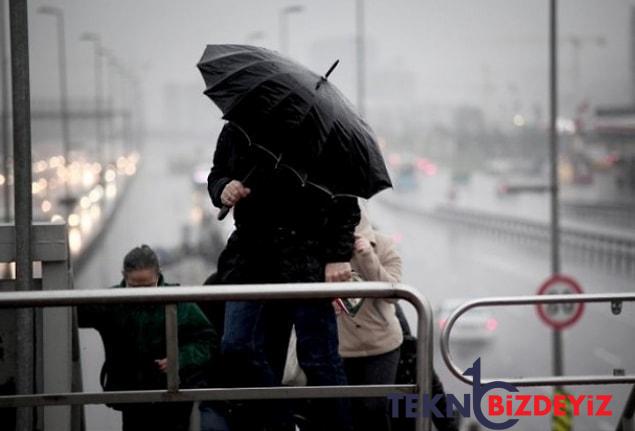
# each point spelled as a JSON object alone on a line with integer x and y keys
{"x": 295, "y": 116}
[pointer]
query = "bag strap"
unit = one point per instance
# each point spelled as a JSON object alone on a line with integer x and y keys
{"x": 403, "y": 322}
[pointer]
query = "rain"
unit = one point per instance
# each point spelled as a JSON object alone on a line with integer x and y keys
{"x": 458, "y": 95}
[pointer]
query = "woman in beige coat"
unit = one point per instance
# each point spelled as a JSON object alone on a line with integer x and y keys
{"x": 369, "y": 339}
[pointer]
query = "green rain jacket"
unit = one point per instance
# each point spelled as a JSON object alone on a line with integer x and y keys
{"x": 134, "y": 337}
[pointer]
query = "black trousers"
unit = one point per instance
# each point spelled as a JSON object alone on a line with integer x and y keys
{"x": 372, "y": 413}
{"x": 158, "y": 416}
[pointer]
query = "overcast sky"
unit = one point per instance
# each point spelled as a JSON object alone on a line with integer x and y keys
{"x": 491, "y": 53}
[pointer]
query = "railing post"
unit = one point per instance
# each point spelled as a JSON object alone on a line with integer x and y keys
{"x": 172, "y": 346}
{"x": 424, "y": 357}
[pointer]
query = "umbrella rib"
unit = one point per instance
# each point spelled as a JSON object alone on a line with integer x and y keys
{"x": 302, "y": 178}
{"x": 321, "y": 188}
{"x": 243, "y": 132}
{"x": 257, "y": 146}
{"x": 267, "y": 151}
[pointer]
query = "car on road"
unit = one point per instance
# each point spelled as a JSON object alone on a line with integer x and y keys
{"x": 477, "y": 325}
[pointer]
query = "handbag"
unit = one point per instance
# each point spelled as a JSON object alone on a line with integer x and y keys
{"x": 407, "y": 366}
{"x": 350, "y": 306}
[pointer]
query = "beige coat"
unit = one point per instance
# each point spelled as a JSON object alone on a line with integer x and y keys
{"x": 374, "y": 329}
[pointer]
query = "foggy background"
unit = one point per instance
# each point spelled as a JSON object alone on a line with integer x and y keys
{"x": 424, "y": 58}
{"x": 457, "y": 92}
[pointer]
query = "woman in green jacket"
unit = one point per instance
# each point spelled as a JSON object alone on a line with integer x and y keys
{"x": 135, "y": 348}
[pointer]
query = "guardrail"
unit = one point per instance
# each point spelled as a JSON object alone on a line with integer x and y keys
{"x": 613, "y": 251}
{"x": 614, "y": 299}
{"x": 172, "y": 295}
{"x": 618, "y": 214}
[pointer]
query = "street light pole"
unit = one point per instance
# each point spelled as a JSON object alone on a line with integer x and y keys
{"x": 99, "y": 126}
{"x": 361, "y": 58}
{"x": 56, "y": 12}
{"x": 117, "y": 94}
{"x": 125, "y": 86}
{"x": 110, "y": 106}
{"x": 4, "y": 120}
{"x": 283, "y": 31}
{"x": 553, "y": 150}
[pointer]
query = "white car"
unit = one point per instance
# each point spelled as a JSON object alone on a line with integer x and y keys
{"x": 476, "y": 325}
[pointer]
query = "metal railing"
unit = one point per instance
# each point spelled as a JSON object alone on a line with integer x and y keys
{"x": 615, "y": 300}
{"x": 173, "y": 295}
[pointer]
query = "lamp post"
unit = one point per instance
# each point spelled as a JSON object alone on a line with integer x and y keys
{"x": 99, "y": 126}
{"x": 111, "y": 62}
{"x": 137, "y": 111}
{"x": 4, "y": 119}
{"x": 67, "y": 201}
{"x": 126, "y": 88}
{"x": 553, "y": 156}
{"x": 283, "y": 23}
{"x": 361, "y": 57}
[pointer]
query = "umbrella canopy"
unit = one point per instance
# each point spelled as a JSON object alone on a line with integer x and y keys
{"x": 297, "y": 115}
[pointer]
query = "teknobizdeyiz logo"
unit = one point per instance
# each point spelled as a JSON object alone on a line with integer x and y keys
{"x": 518, "y": 405}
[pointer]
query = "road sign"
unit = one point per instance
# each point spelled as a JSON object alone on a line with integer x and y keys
{"x": 560, "y": 315}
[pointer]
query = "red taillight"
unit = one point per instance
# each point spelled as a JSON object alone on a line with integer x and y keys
{"x": 491, "y": 324}
{"x": 426, "y": 167}
{"x": 442, "y": 323}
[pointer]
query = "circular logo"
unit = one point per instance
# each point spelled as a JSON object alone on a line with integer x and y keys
{"x": 562, "y": 314}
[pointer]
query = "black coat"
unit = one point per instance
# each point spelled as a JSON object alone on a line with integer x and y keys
{"x": 285, "y": 232}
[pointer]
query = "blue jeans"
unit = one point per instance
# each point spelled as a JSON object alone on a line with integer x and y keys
{"x": 256, "y": 331}
{"x": 212, "y": 417}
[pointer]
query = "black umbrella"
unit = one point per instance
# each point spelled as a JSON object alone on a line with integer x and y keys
{"x": 298, "y": 117}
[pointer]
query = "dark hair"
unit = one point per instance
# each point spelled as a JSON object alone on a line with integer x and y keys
{"x": 142, "y": 257}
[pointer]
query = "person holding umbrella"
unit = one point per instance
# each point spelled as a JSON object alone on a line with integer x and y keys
{"x": 291, "y": 161}
{"x": 278, "y": 239}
